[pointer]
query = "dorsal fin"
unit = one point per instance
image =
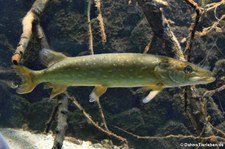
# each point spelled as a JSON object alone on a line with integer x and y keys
{"x": 50, "y": 57}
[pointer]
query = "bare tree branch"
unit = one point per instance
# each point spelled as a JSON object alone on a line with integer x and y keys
{"x": 51, "y": 119}
{"x": 193, "y": 26}
{"x": 91, "y": 49}
{"x": 161, "y": 29}
{"x": 212, "y": 92}
{"x": 31, "y": 16}
{"x": 100, "y": 19}
{"x": 207, "y": 30}
{"x": 178, "y": 136}
{"x": 88, "y": 117}
{"x": 61, "y": 122}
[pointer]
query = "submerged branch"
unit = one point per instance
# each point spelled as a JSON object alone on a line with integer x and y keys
{"x": 41, "y": 36}
{"x": 214, "y": 5}
{"x": 193, "y": 26}
{"x": 103, "y": 118}
{"x": 199, "y": 120}
{"x": 61, "y": 122}
{"x": 209, "y": 29}
{"x": 91, "y": 49}
{"x": 161, "y": 29}
{"x": 149, "y": 45}
{"x": 212, "y": 92}
{"x": 100, "y": 19}
{"x": 88, "y": 117}
{"x": 28, "y": 21}
{"x": 51, "y": 119}
{"x": 179, "y": 136}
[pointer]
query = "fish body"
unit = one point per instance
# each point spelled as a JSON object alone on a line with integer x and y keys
{"x": 111, "y": 71}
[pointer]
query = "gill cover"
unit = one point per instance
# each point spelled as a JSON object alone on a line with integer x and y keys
{"x": 163, "y": 72}
{"x": 174, "y": 73}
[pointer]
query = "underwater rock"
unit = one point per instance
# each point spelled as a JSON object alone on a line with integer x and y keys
{"x": 13, "y": 108}
{"x": 181, "y": 10}
{"x": 38, "y": 114}
{"x": 214, "y": 111}
{"x": 221, "y": 126}
{"x": 219, "y": 72}
{"x": 129, "y": 120}
{"x": 140, "y": 36}
{"x": 157, "y": 113}
{"x": 173, "y": 127}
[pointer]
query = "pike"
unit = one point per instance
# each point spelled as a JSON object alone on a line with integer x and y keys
{"x": 115, "y": 70}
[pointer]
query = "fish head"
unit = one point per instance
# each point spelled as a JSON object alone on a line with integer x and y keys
{"x": 175, "y": 73}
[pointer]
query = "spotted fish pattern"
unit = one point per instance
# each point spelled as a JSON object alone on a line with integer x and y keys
{"x": 112, "y": 70}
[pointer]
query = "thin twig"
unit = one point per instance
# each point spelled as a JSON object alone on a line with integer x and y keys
{"x": 51, "y": 119}
{"x": 100, "y": 19}
{"x": 218, "y": 130}
{"x": 98, "y": 5}
{"x": 88, "y": 117}
{"x": 209, "y": 29}
{"x": 202, "y": 124}
{"x": 103, "y": 118}
{"x": 91, "y": 49}
{"x": 178, "y": 136}
{"x": 193, "y": 26}
{"x": 214, "y": 5}
{"x": 212, "y": 92}
{"x": 149, "y": 45}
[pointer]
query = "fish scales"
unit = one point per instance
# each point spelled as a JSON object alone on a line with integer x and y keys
{"x": 111, "y": 70}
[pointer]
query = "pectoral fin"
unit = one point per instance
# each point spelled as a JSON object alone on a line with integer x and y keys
{"x": 96, "y": 93}
{"x": 56, "y": 89}
{"x": 151, "y": 95}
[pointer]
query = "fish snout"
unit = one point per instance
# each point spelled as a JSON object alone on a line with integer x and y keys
{"x": 203, "y": 79}
{"x": 211, "y": 79}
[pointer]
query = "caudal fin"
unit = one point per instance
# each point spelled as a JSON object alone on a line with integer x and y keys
{"x": 27, "y": 79}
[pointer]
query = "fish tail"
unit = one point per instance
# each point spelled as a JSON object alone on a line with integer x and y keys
{"x": 28, "y": 84}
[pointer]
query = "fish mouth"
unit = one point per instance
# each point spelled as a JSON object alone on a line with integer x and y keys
{"x": 203, "y": 79}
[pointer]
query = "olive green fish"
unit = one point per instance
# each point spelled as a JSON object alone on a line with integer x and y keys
{"x": 113, "y": 70}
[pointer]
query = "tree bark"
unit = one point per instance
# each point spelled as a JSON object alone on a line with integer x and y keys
{"x": 32, "y": 15}
{"x": 61, "y": 123}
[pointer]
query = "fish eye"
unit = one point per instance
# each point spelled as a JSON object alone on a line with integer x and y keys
{"x": 188, "y": 69}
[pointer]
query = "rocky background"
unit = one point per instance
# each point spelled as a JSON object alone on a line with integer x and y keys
{"x": 65, "y": 25}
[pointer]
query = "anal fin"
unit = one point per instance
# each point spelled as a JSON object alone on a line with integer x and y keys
{"x": 56, "y": 89}
{"x": 96, "y": 93}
